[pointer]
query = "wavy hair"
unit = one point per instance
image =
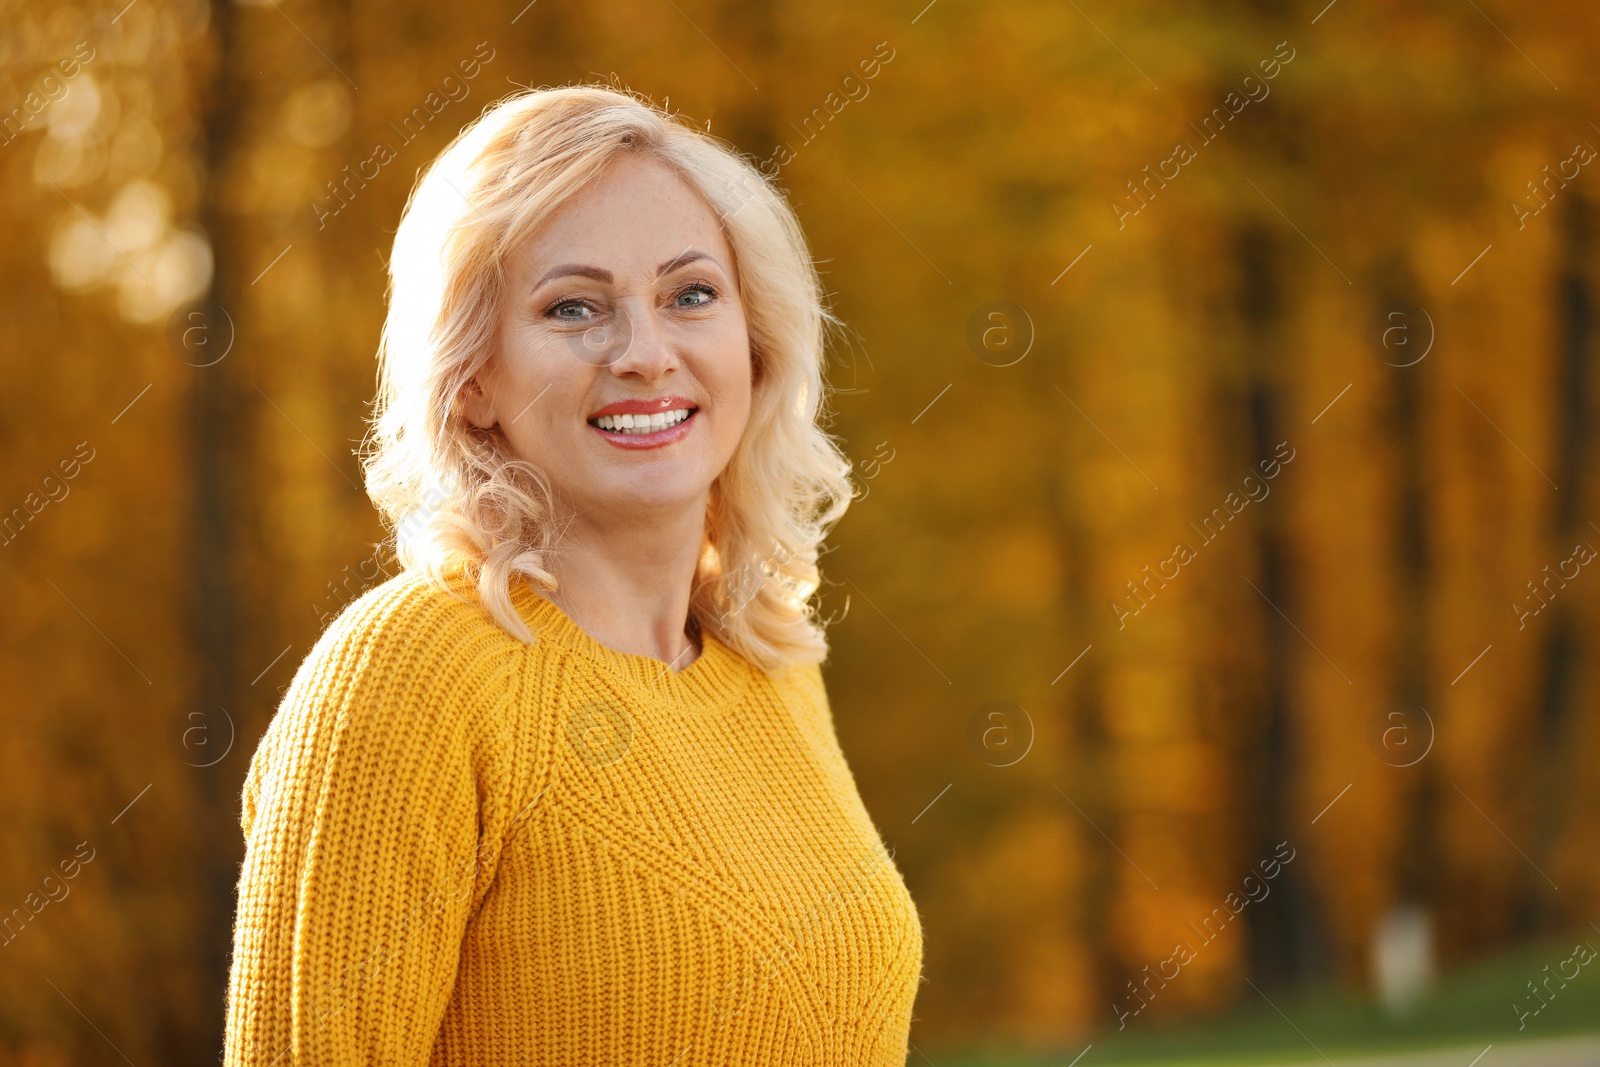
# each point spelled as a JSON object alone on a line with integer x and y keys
{"x": 457, "y": 499}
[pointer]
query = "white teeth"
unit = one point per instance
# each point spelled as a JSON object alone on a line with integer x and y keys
{"x": 642, "y": 423}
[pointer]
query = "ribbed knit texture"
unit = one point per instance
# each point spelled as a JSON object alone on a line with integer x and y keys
{"x": 461, "y": 849}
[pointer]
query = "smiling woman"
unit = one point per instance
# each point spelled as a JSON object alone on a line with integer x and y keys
{"x": 568, "y": 789}
{"x": 633, "y": 284}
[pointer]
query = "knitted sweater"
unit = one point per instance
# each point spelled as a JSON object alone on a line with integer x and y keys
{"x": 461, "y": 849}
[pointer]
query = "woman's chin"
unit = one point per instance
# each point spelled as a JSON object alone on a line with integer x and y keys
{"x": 654, "y": 490}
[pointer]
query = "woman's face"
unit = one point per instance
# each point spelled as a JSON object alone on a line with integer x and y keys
{"x": 622, "y": 309}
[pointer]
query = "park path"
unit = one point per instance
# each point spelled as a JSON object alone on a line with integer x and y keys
{"x": 1556, "y": 1052}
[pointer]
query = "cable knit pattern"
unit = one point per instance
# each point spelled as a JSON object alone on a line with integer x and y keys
{"x": 465, "y": 850}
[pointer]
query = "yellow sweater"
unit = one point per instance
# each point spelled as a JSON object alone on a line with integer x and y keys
{"x": 465, "y": 850}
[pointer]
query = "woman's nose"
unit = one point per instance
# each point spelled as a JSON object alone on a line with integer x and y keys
{"x": 640, "y": 345}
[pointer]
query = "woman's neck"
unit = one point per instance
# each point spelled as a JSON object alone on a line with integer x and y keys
{"x": 626, "y": 581}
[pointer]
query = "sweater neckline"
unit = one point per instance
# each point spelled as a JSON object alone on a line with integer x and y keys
{"x": 717, "y": 675}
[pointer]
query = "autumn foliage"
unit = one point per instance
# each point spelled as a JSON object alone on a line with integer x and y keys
{"x": 1100, "y": 278}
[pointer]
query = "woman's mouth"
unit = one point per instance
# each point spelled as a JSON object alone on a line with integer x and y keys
{"x": 645, "y": 431}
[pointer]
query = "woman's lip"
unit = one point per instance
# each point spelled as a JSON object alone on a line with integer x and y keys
{"x": 654, "y": 406}
{"x": 656, "y": 439}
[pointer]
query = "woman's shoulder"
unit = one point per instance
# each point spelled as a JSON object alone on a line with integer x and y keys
{"x": 410, "y": 673}
{"x": 417, "y": 610}
{"x": 800, "y": 686}
{"x": 410, "y": 645}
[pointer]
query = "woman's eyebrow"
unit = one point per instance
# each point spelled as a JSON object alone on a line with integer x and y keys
{"x": 686, "y": 256}
{"x": 600, "y": 274}
{"x": 578, "y": 270}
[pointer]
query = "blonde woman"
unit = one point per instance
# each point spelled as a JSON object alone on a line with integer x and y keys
{"x": 567, "y": 790}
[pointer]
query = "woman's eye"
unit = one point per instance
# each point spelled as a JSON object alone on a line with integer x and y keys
{"x": 572, "y": 310}
{"x": 698, "y": 296}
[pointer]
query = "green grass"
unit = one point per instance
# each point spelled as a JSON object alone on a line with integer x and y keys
{"x": 1471, "y": 1004}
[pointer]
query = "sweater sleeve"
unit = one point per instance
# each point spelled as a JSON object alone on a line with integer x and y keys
{"x": 363, "y": 854}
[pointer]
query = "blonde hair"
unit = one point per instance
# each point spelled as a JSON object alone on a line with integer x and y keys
{"x": 457, "y": 498}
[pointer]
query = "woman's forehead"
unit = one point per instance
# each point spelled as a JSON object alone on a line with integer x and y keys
{"x": 638, "y": 215}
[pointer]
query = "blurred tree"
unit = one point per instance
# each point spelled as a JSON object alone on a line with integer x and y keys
{"x": 1019, "y": 545}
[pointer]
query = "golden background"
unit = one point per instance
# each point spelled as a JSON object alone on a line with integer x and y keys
{"x": 1219, "y": 379}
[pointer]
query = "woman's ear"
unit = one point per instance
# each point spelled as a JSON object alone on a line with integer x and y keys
{"x": 476, "y": 406}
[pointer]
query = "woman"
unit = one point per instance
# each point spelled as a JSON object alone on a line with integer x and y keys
{"x": 567, "y": 790}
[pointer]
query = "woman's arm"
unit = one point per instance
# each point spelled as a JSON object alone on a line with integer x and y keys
{"x": 363, "y": 852}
